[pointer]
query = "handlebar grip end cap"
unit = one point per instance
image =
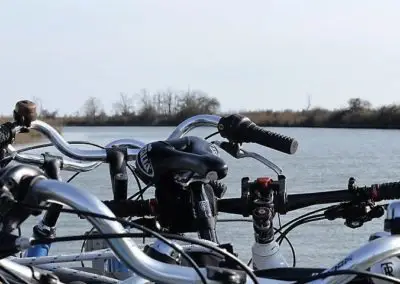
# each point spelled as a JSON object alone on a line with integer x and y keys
{"x": 293, "y": 147}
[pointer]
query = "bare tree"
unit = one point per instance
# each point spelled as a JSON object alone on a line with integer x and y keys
{"x": 92, "y": 107}
{"x": 308, "y": 102}
{"x": 38, "y": 103}
{"x": 157, "y": 102}
{"x": 124, "y": 106}
{"x": 42, "y": 111}
{"x": 163, "y": 102}
{"x": 357, "y": 104}
{"x": 48, "y": 114}
{"x": 169, "y": 101}
{"x": 145, "y": 99}
{"x": 197, "y": 102}
{"x": 166, "y": 102}
{"x": 147, "y": 111}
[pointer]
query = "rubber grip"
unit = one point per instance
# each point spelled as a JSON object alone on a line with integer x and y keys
{"x": 386, "y": 191}
{"x": 271, "y": 139}
{"x": 238, "y": 128}
{"x": 5, "y": 134}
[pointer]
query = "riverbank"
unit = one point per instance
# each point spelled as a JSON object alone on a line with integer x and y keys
{"x": 383, "y": 118}
{"x": 34, "y": 136}
{"x": 358, "y": 114}
{"x": 169, "y": 108}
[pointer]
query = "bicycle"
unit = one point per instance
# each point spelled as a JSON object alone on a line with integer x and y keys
{"x": 259, "y": 197}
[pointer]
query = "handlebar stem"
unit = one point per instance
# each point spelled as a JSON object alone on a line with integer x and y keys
{"x": 52, "y": 165}
{"x": 263, "y": 209}
{"x": 117, "y": 166}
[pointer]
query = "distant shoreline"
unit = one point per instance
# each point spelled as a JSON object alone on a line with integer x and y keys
{"x": 60, "y": 123}
{"x": 272, "y": 126}
{"x": 387, "y": 117}
{"x": 358, "y": 115}
{"x": 169, "y": 110}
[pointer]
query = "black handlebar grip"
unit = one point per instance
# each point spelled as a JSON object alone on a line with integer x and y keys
{"x": 6, "y": 134}
{"x": 131, "y": 208}
{"x": 238, "y": 128}
{"x": 386, "y": 191}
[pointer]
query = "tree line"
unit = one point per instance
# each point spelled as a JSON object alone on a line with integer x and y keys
{"x": 169, "y": 108}
{"x": 165, "y": 107}
{"x": 359, "y": 113}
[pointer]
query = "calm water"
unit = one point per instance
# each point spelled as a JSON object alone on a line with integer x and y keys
{"x": 325, "y": 160}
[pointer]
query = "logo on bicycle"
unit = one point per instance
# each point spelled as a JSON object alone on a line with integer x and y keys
{"x": 342, "y": 263}
{"x": 387, "y": 268}
{"x": 214, "y": 150}
{"x": 145, "y": 163}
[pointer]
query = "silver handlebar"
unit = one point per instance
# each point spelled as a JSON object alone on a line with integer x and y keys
{"x": 98, "y": 156}
{"x": 38, "y": 160}
{"x": 193, "y": 122}
{"x": 144, "y": 266}
{"x": 125, "y": 248}
{"x": 69, "y": 165}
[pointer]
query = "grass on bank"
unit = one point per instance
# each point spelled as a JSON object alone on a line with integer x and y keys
{"x": 34, "y": 136}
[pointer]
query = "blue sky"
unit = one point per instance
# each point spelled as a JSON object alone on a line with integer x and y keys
{"x": 249, "y": 54}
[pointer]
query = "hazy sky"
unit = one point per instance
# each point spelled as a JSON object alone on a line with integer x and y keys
{"x": 249, "y": 54}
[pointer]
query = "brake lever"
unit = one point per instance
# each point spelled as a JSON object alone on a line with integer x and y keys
{"x": 355, "y": 215}
{"x": 238, "y": 152}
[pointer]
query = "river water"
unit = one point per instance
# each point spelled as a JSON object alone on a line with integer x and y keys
{"x": 326, "y": 158}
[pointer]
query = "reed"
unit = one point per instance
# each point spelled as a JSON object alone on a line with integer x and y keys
{"x": 34, "y": 136}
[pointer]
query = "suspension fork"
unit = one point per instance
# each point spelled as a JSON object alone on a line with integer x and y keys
{"x": 265, "y": 250}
